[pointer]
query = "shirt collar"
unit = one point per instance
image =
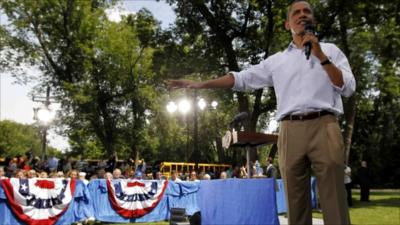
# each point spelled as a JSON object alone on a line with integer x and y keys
{"x": 292, "y": 46}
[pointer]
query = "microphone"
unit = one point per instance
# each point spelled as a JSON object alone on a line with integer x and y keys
{"x": 239, "y": 118}
{"x": 308, "y": 28}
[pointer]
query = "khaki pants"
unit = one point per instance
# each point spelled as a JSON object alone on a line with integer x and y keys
{"x": 316, "y": 144}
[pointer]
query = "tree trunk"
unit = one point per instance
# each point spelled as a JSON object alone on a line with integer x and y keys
{"x": 350, "y": 109}
{"x": 220, "y": 150}
{"x": 350, "y": 120}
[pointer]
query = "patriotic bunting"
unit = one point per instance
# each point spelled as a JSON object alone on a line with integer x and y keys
{"x": 134, "y": 198}
{"x": 38, "y": 201}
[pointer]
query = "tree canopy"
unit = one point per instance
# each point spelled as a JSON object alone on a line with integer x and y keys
{"x": 17, "y": 139}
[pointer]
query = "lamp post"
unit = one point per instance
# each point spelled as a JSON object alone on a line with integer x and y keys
{"x": 184, "y": 106}
{"x": 43, "y": 115}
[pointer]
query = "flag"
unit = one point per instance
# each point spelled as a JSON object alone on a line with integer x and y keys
{"x": 39, "y": 201}
{"x": 135, "y": 198}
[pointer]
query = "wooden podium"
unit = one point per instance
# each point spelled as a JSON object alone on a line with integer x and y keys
{"x": 249, "y": 140}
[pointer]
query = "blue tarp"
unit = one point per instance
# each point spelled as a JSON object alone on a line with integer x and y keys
{"x": 104, "y": 212}
{"x": 79, "y": 209}
{"x": 280, "y": 195}
{"x": 238, "y": 201}
{"x": 181, "y": 194}
{"x": 230, "y": 201}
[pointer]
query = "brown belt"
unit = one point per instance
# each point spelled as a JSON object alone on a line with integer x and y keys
{"x": 308, "y": 116}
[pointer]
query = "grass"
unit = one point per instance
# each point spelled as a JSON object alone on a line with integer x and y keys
{"x": 383, "y": 209}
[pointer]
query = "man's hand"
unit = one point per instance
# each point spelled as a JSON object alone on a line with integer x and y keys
{"x": 226, "y": 81}
{"x": 175, "y": 84}
{"x": 335, "y": 75}
{"x": 316, "y": 48}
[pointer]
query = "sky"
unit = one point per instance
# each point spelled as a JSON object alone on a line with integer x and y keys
{"x": 17, "y": 105}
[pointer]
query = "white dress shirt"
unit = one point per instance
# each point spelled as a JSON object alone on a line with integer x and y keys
{"x": 347, "y": 178}
{"x": 301, "y": 85}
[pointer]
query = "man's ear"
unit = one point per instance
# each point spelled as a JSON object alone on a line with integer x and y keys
{"x": 287, "y": 27}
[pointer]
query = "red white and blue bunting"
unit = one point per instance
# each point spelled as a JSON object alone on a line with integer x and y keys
{"x": 134, "y": 198}
{"x": 39, "y": 201}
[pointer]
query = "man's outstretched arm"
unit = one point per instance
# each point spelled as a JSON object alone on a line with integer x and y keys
{"x": 226, "y": 81}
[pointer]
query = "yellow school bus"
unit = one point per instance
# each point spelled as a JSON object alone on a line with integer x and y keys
{"x": 182, "y": 167}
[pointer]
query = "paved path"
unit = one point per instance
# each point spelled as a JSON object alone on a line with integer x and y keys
{"x": 283, "y": 221}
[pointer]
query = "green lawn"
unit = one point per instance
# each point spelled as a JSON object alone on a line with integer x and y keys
{"x": 383, "y": 209}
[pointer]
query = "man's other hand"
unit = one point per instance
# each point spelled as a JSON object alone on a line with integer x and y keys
{"x": 175, "y": 84}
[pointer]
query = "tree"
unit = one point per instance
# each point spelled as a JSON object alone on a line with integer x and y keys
{"x": 17, "y": 139}
{"x": 98, "y": 69}
{"x": 368, "y": 33}
{"x": 233, "y": 33}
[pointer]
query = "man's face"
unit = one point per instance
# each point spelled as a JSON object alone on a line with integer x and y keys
{"x": 117, "y": 173}
{"x": 20, "y": 174}
{"x": 73, "y": 174}
{"x": 31, "y": 174}
{"x": 363, "y": 163}
{"x": 299, "y": 15}
{"x": 223, "y": 175}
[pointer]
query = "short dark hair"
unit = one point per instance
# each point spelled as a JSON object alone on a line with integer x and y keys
{"x": 289, "y": 8}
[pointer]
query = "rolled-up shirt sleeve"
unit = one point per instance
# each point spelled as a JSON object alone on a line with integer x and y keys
{"x": 349, "y": 83}
{"x": 253, "y": 78}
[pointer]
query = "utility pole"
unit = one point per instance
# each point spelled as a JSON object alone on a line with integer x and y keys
{"x": 45, "y": 128}
{"x": 195, "y": 134}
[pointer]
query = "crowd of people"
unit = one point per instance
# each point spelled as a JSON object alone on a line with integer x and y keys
{"x": 30, "y": 166}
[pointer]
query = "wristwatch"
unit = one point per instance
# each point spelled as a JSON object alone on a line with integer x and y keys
{"x": 325, "y": 62}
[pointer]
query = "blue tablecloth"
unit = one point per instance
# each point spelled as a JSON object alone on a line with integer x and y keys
{"x": 280, "y": 195}
{"x": 238, "y": 201}
{"x": 230, "y": 201}
{"x": 181, "y": 194}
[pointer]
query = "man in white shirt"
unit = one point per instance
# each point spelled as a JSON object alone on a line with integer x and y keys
{"x": 309, "y": 100}
{"x": 348, "y": 184}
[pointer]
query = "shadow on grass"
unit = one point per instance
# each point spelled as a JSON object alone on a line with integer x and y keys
{"x": 387, "y": 202}
{"x": 395, "y": 193}
{"x": 390, "y": 200}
